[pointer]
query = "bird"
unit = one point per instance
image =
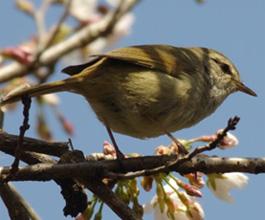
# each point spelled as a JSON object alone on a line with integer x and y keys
{"x": 145, "y": 91}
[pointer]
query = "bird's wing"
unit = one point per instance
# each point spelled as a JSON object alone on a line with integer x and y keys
{"x": 76, "y": 69}
{"x": 164, "y": 58}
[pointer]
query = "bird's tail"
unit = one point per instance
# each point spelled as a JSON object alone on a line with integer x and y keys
{"x": 37, "y": 90}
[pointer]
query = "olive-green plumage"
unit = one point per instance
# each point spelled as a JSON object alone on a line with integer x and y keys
{"x": 146, "y": 91}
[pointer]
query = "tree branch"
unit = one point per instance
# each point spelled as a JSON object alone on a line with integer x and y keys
{"x": 134, "y": 167}
{"x": 8, "y": 144}
{"x": 103, "y": 192}
{"x": 56, "y": 29}
{"x": 18, "y": 208}
{"x": 82, "y": 37}
{"x": 94, "y": 184}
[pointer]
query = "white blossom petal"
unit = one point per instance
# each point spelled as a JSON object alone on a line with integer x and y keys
{"x": 181, "y": 210}
{"x": 98, "y": 45}
{"x": 51, "y": 99}
{"x": 83, "y": 9}
{"x": 224, "y": 183}
{"x": 124, "y": 25}
{"x": 114, "y": 3}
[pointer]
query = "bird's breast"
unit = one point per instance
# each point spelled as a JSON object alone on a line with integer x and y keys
{"x": 142, "y": 103}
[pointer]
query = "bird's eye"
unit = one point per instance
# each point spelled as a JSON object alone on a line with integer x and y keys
{"x": 225, "y": 67}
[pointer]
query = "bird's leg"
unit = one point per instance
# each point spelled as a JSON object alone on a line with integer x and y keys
{"x": 181, "y": 148}
{"x": 119, "y": 154}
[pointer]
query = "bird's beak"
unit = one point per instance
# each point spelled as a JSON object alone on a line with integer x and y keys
{"x": 242, "y": 88}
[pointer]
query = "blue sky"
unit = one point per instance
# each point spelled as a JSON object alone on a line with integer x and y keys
{"x": 236, "y": 28}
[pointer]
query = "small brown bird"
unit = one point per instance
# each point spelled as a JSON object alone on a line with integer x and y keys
{"x": 149, "y": 90}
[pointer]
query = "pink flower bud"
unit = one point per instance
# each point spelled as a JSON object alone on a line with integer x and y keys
{"x": 108, "y": 149}
{"x": 67, "y": 125}
{"x": 19, "y": 54}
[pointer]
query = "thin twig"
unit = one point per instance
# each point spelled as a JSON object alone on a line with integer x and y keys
{"x": 56, "y": 29}
{"x": 39, "y": 15}
{"x": 22, "y": 130}
{"x": 46, "y": 41}
{"x": 231, "y": 125}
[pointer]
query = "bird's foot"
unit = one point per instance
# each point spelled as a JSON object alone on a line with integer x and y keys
{"x": 180, "y": 148}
